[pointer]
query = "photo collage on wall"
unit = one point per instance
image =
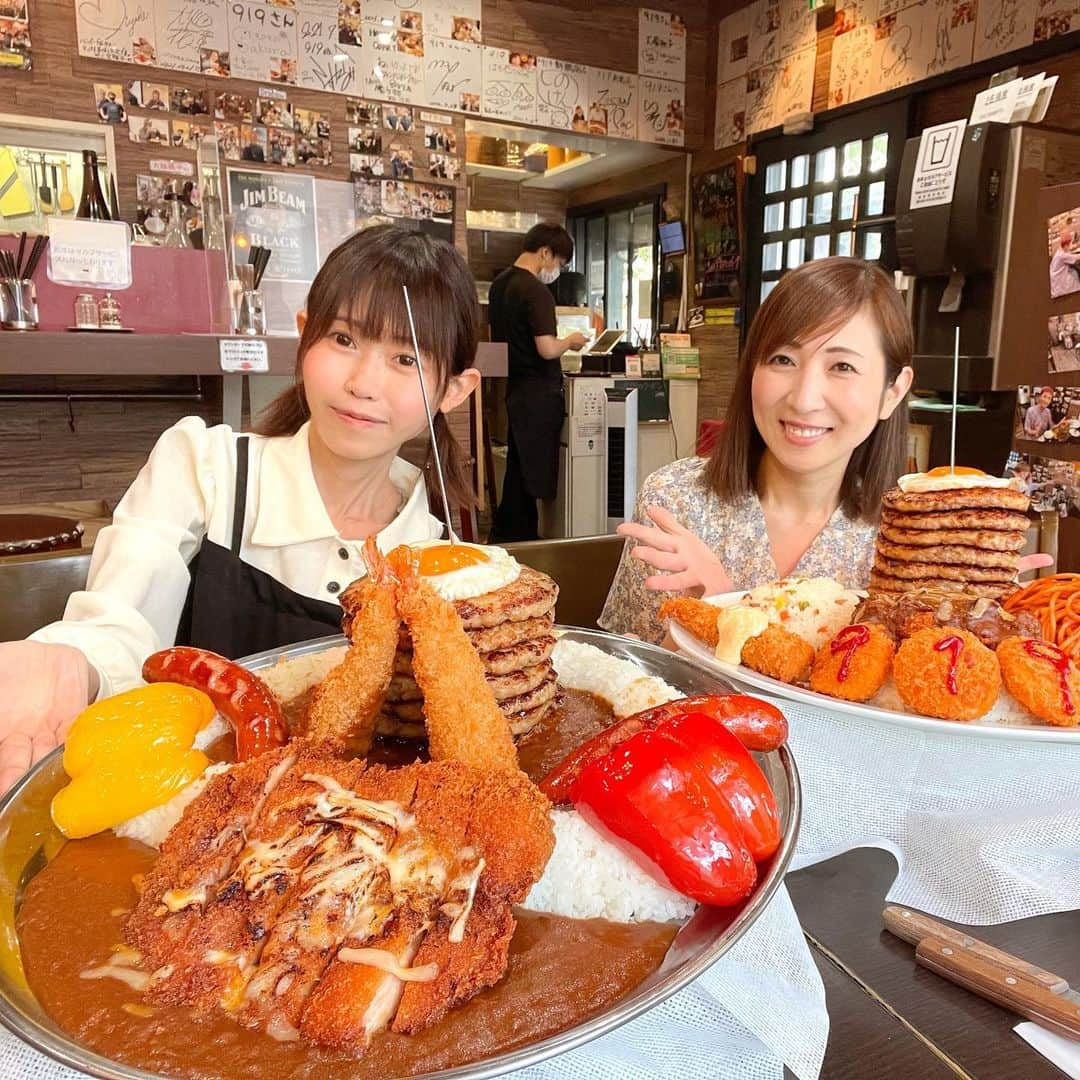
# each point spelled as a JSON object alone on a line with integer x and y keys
{"x": 267, "y": 128}
{"x": 385, "y": 161}
{"x": 15, "y": 50}
{"x": 425, "y": 54}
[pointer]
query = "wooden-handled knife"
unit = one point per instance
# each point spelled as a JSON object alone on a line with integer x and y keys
{"x": 991, "y": 973}
{"x": 913, "y": 926}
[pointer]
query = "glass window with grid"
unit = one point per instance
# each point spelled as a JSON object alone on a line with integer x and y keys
{"x": 828, "y": 193}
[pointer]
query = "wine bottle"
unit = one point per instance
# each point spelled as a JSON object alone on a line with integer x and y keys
{"x": 92, "y": 205}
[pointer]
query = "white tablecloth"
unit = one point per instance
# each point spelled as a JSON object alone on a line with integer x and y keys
{"x": 985, "y": 830}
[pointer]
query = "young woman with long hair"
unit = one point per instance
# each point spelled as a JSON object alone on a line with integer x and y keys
{"x": 240, "y": 543}
{"x": 816, "y": 431}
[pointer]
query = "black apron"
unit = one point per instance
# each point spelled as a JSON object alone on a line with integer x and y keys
{"x": 535, "y": 410}
{"x": 233, "y": 608}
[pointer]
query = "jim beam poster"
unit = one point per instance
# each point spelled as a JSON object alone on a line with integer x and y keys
{"x": 277, "y": 211}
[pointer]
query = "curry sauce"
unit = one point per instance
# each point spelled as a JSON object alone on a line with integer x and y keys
{"x": 73, "y": 912}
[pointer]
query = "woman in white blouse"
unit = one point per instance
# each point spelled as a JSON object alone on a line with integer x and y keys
{"x": 241, "y": 543}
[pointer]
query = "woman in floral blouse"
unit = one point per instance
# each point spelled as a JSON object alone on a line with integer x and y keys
{"x": 815, "y": 434}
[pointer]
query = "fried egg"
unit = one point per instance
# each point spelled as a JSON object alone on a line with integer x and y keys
{"x": 944, "y": 479}
{"x": 462, "y": 571}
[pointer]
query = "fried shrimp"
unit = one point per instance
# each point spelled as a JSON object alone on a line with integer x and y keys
{"x": 345, "y": 706}
{"x": 855, "y": 664}
{"x": 464, "y": 721}
{"x": 1043, "y": 678}
{"x": 780, "y": 654}
{"x": 947, "y": 673}
{"x": 697, "y": 616}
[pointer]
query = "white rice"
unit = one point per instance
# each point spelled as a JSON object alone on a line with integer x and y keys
{"x": 289, "y": 678}
{"x": 619, "y": 682}
{"x": 588, "y": 877}
{"x": 152, "y": 826}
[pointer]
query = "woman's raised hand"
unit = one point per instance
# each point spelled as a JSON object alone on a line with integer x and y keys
{"x": 43, "y": 688}
{"x": 687, "y": 560}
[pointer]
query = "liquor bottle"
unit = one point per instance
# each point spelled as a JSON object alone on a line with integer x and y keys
{"x": 176, "y": 232}
{"x": 92, "y": 205}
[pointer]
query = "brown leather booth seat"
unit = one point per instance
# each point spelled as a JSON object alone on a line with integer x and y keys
{"x": 34, "y": 589}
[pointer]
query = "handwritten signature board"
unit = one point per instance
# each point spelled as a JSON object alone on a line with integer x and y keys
{"x": 417, "y": 52}
{"x": 878, "y": 46}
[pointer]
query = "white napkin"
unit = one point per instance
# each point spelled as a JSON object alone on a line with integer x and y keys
{"x": 985, "y": 830}
{"x": 1064, "y": 1053}
{"x": 759, "y": 1007}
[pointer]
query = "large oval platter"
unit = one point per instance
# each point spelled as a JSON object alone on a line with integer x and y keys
{"x": 747, "y": 679}
{"x": 28, "y": 838}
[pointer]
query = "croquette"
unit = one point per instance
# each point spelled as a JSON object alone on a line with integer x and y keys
{"x": 1042, "y": 678}
{"x": 780, "y": 654}
{"x": 855, "y": 664}
{"x": 697, "y": 616}
{"x": 948, "y": 673}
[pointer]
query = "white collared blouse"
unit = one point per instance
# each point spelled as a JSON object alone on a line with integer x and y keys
{"x": 138, "y": 579}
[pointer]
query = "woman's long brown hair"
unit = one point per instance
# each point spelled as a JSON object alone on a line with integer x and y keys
{"x": 817, "y": 298}
{"x": 362, "y": 277}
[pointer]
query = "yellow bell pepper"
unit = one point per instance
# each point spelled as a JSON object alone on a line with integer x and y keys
{"x": 129, "y": 753}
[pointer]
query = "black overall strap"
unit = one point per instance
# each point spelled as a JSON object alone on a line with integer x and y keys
{"x": 240, "y": 495}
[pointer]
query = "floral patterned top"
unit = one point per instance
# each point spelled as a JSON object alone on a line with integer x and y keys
{"x": 736, "y": 531}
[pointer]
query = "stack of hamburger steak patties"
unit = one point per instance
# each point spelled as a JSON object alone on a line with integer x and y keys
{"x": 960, "y": 531}
{"x": 512, "y": 628}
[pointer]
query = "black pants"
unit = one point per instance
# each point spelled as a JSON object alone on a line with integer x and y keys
{"x": 517, "y": 517}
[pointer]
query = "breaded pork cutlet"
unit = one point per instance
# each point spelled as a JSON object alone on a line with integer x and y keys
{"x": 360, "y": 896}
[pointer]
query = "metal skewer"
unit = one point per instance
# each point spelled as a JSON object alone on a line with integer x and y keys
{"x": 430, "y": 420}
{"x": 955, "y": 380}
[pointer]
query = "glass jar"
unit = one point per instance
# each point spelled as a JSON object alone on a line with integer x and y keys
{"x": 86, "y": 311}
{"x": 109, "y": 311}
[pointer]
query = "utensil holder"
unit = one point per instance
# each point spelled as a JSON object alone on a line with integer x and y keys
{"x": 18, "y": 304}
{"x": 251, "y": 314}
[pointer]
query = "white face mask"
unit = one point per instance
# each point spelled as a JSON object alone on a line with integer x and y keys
{"x": 549, "y": 276}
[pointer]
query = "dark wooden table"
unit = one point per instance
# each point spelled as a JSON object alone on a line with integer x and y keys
{"x": 889, "y": 1017}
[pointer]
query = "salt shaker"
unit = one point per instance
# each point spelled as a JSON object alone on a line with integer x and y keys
{"x": 109, "y": 311}
{"x": 86, "y": 311}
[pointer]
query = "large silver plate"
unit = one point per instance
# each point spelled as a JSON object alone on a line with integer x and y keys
{"x": 27, "y": 838}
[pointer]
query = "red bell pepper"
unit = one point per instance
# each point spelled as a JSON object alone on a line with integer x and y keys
{"x": 650, "y": 794}
{"x": 735, "y": 775}
{"x": 688, "y": 803}
{"x": 755, "y": 723}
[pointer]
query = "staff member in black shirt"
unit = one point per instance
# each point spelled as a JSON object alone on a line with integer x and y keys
{"x": 522, "y": 313}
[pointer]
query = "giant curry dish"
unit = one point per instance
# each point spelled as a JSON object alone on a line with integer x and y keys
{"x": 328, "y": 891}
